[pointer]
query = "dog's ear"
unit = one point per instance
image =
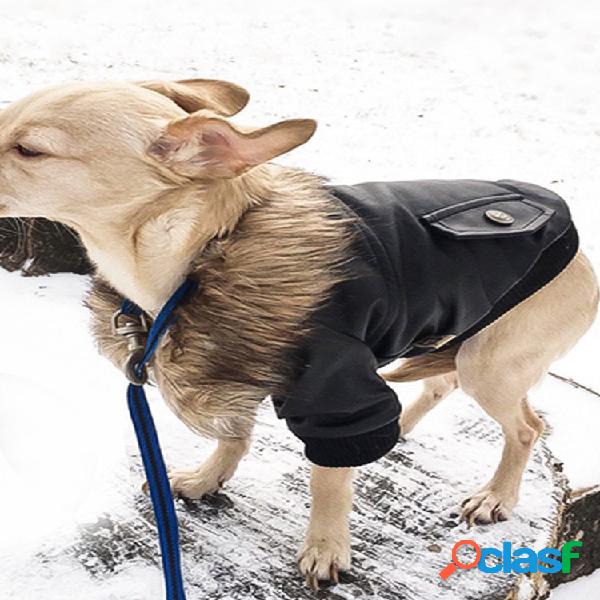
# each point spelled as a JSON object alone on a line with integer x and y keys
{"x": 205, "y": 147}
{"x": 222, "y": 97}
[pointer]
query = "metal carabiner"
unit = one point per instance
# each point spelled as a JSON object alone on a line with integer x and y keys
{"x": 134, "y": 371}
{"x": 135, "y": 329}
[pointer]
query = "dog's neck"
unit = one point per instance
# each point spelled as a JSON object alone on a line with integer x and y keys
{"x": 150, "y": 254}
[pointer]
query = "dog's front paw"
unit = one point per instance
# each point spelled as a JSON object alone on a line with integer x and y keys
{"x": 322, "y": 559}
{"x": 487, "y": 506}
{"x": 210, "y": 476}
{"x": 195, "y": 483}
{"x": 192, "y": 483}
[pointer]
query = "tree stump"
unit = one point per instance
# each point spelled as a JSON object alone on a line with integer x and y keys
{"x": 242, "y": 543}
{"x": 581, "y": 521}
{"x": 40, "y": 247}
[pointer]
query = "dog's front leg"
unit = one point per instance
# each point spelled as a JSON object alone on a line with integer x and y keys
{"x": 210, "y": 476}
{"x": 326, "y": 549}
{"x": 220, "y": 466}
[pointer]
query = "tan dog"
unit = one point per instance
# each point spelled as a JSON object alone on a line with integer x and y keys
{"x": 156, "y": 193}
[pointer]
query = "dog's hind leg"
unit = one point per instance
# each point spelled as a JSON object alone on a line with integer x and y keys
{"x": 499, "y": 365}
{"x": 495, "y": 501}
{"x": 435, "y": 389}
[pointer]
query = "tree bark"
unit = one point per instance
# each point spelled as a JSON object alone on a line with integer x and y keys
{"x": 581, "y": 521}
{"x": 40, "y": 247}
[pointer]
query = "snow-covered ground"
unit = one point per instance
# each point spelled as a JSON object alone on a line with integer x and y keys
{"x": 425, "y": 89}
{"x": 585, "y": 587}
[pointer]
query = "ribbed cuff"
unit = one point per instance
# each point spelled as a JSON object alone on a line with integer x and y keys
{"x": 353, "y": 451}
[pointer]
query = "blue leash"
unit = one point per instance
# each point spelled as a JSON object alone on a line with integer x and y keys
{"x": 145, "y": 431}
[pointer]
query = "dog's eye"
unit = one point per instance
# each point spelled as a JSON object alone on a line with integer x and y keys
{"x": 26, "y": 152}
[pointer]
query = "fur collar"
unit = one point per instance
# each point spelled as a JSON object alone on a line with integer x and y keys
{"x": 234, "y": 340}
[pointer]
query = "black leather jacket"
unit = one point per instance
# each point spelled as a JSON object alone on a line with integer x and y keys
{"x": 434, "y": 262}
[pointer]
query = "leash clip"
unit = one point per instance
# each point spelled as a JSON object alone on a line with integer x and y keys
{"x": 135, "y": 329}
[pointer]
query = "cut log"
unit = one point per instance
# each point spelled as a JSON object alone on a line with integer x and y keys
{"x": 39, "y": 247}
{"x": 581, "y": 521}
{"x": 242, "y": 543}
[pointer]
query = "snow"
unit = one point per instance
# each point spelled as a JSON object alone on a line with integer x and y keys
{"x": 573, "y": 417}
{"x": 424, "y": 89}
{"x": 584, "y": 587}
{"x": 52, "y": 388}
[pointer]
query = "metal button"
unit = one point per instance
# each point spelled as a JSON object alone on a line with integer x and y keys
{"x": 499, "y": 217}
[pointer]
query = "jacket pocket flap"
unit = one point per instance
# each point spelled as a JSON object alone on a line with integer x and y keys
{"x": 491, "y": 216}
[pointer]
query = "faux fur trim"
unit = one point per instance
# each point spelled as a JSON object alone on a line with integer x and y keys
{"x": 234, "y": 340}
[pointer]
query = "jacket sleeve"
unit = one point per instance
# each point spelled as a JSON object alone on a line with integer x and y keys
{"x": 345, "y": 414}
